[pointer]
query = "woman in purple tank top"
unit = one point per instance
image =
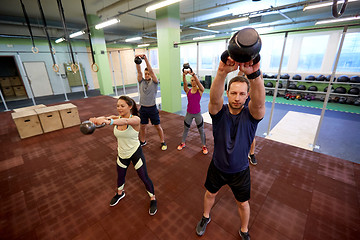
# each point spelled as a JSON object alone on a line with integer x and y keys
{"x": 193, "y": 109}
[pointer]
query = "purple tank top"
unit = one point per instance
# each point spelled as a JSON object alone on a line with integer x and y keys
{"x": 193, "y": 106}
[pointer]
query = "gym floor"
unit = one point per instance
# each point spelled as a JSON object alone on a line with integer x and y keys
{"x": 58, "y": 185}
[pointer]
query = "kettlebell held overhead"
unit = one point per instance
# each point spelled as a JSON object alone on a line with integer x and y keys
{"x": 138, "y": 60}
{"x": 244, "y": 46}
{"x": 186, "y": 66}
{"x": 88, "y": 127}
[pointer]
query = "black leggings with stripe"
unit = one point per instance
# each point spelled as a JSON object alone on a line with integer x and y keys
{"x": 141, "y": 171}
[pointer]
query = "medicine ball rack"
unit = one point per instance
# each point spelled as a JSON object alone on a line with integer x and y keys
{"x": 286, "y": 83}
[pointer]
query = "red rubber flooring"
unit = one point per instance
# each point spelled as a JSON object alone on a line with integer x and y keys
{"x": 58, "y": 186}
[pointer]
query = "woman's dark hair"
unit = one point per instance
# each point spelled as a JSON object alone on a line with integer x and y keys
{"x": 129, "y": 101}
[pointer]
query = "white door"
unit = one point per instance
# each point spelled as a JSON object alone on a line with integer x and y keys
{"x": 39, "y": 78}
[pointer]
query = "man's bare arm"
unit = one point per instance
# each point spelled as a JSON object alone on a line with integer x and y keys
{"x": 218, "y": 85}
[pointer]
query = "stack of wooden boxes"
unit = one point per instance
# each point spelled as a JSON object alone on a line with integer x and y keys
{"x": 18, "y": 87}
{"x": 6, "y": 88}
{"x": 12, "y": 87}
{"x": 38, "y": 119}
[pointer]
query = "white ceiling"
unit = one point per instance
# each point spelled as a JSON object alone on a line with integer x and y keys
{"x": 134, "y": 21}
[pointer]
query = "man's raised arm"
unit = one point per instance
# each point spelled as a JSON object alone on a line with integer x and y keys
{"x": 257, "y": 89}
{"x": 218, "y": 85}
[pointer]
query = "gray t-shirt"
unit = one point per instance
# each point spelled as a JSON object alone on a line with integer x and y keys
{"x": 148, "y": 90}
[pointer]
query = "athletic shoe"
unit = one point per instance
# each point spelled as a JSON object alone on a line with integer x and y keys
{"x": 181, "y": 146}
{"x": 244, "y": 236}
{"x": 163, "y": 146}
{"x": 205, "y": 150}
{"x": 117, "y": 198}
{"x": 201, "y": 226}
{"x": 252, "y": 159}
{"x": 143, "y": 143}
{"x": 153, "y": 207}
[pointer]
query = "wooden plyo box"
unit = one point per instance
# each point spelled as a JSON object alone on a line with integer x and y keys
{"x": 27, "y": 123}
{"x": 8, "y": 91}
{"x": 69, "y": 114}
{"x": 49, "y": 118}
{"x": 15, "y": 81}
{"x": 19, "y": 91}
{"x": 29, "y": 108}
{"x": 5, "y": 82}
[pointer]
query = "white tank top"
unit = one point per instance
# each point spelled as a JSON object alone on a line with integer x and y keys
{"x": 128, "y": 141}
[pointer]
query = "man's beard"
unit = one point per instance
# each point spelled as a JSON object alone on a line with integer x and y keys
{"x": 237, "y": 107}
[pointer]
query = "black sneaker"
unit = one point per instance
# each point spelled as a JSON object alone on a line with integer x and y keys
{"x": 201, "y": 226}
{"x": 143, "y": 143}
{"x": 117, "y": 198}
{"x": 252, "y": 159}
{"x": 153, "y": 207}
{"x": 244, "y": 236}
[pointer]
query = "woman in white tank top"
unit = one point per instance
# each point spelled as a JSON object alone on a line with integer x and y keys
{"x": 126, "y": 130}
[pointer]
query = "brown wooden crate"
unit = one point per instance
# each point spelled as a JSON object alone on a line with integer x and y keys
{"x": 19, "y": 91}
{"x": 15, "y": 81}
{"x": 8, "y": 91}
{"x": 49, "y": 118}
{"x": 5, "y": 82}
{"x": 69, "y": 114}
{"x": 27, "y": 123}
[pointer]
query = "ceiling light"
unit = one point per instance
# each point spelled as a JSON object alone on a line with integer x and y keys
{"x": 76, "y": 34}
{"x": 228, "y": 22}
{"x": 107, "y": 23}
{"x": 133, "y": 39}
{"x": 59, "y": 40}
{"x": 338, "y": 20}
{"x": 160, "y": 5}
{"x": 205, "y": 30}
{"x": 144, "y": 45}
{"x": 325, "y": 4}
{"x": 204, "y": 37}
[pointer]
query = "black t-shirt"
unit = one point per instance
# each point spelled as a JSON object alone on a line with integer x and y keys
{"x": 233, "y": 135}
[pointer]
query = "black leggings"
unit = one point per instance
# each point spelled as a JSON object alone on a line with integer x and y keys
{"x": 139, "y": 163}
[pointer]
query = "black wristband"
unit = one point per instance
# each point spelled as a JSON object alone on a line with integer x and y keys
{"x": 254, "y": 74}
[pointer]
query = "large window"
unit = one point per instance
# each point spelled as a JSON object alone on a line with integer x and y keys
{"x": 188, "y": 55}
{"x": 210, "y": 53}
{"x": 271, "y": 52}
{"x": 276, "y": 54}
{"x": 154, "y": 62}
{"x": 312, "y": 52}
{"x": 349, "y": 60}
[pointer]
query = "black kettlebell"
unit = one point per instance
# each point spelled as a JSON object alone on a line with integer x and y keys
{"x": 187, "y": 66}
{"x": 244, "y": 46}
{"x": 88, "y": 127}
{"x": 137, "y": 60}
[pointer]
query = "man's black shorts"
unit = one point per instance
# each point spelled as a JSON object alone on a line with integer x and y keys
{"x": 149, "y": 112}
{"x": 238, "y": 182}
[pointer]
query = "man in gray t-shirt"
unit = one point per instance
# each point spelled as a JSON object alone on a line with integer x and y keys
{"x": 148, "y": 86}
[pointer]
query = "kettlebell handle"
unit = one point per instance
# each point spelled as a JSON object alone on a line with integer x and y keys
{"x": 187, "y": 66}
{"x": 225, "y": 55}
{"x": 100, "y": 126}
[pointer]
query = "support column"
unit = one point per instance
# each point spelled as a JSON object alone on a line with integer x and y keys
{"x": 168, "y": 32}
{"x": 100, "y": 55}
